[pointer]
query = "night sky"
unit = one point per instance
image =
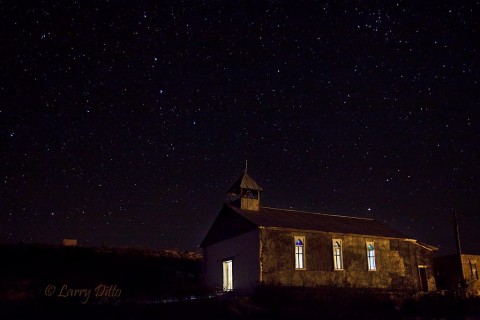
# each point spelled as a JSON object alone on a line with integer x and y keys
{"x": 124, "y": 123}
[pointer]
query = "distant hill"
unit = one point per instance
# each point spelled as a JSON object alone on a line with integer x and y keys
{"x": 32, "y": 271}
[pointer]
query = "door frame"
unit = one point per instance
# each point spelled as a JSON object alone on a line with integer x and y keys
{"x": 227, "y": 275}
{"x": 422, "y": 277}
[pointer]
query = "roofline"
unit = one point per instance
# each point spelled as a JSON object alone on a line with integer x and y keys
{"x": 456, "y": 255}
{"x": 421, "y": 244}
{"x": 424, "y": 245}
{"x": 323, "y": 214}
{"x": 405, "y": 238}
{"x": 333, "y": 232}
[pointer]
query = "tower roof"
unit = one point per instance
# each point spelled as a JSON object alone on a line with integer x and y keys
{"x": 244, "y": 182}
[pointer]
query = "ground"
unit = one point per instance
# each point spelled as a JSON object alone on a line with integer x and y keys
{"x": 45, "y": 282}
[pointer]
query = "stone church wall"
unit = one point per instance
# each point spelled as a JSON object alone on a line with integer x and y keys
{"x": 397, "y": 261}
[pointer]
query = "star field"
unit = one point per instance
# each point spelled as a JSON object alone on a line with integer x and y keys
{"x": 124, "y": 123}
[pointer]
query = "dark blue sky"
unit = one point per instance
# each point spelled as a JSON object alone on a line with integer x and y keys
{"x": 124, "y": 123}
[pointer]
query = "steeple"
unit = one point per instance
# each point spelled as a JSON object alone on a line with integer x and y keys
{"x": 245, "y": 192}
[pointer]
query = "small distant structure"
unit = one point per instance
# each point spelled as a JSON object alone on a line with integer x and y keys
{"x": 450, "y": 277}
{"x": 459, "y": 270}
{"x": 69, "y": 242}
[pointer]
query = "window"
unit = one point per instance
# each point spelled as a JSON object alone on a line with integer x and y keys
{"x": 250, "y": 194}
{"x": 227, "y": 275}
{"x": 371, "y": 256}
{"x": 473, "y": 267}
{"x": 299, "y": 252}
{"x": 337, "y": 254}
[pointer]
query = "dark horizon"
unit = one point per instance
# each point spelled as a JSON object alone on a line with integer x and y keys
{"x": 467, "y": 234}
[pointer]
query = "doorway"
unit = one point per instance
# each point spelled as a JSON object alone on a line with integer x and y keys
{"x": 422, "y": 272}
{"x": 228, "y": 275}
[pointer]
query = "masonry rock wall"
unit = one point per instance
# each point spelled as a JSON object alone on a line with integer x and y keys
{"x": 397, "y": 261}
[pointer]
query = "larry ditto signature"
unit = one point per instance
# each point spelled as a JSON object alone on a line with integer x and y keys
{"x": 102, "y": 290}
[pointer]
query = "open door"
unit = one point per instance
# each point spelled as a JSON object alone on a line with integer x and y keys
{"x": 422, "y": 273}
{"x": 228, "y": 275}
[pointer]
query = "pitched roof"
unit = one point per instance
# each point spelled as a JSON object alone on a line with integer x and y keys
{"x": 244, "y": 182}
{"x": 301, "y": 220}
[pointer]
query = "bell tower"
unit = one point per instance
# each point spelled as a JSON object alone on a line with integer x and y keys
{"x": 245, "y": 192}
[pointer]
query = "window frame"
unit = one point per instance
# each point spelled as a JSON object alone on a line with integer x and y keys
{"x": 371, "y": 257}
{"x": 337, "y": 257}
{"x": 300, "y": 252}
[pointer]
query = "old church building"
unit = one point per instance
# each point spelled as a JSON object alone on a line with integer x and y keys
{"x": 248, "y": 244}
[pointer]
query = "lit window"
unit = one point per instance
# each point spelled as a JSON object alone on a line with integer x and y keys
{"x": 371, "y": 256}
{"x": 299, "y": 253}
{"x": 473, "y": 267}
{"x": 337, "y": 254}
